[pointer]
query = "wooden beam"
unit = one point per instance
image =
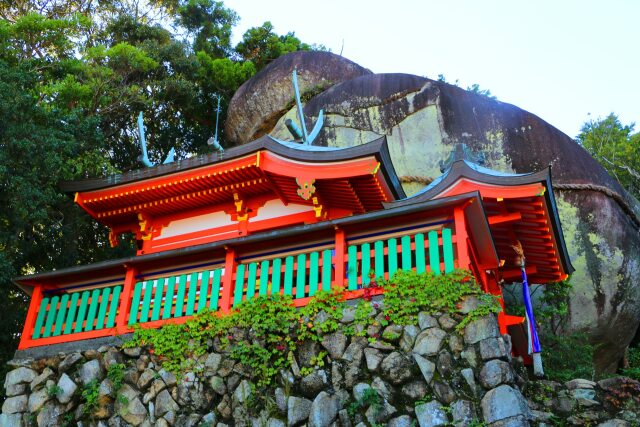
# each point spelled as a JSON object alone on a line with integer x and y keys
{"x": 341, "y": 250}
{"x": 124, "y": 306}
{"x": 461, "y": 235}
{"x": 499, "y": 219}
{"x": 32, "y": 314}
{"x": 227, "y": 280}
{"x": 516, "y": 273}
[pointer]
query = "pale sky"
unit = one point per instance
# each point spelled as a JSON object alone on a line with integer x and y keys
{"x": 561, "y": 60}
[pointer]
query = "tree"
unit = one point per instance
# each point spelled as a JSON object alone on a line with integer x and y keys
{"x": 616, "y": 148}
{"x": 40, "y": 229}
{"x": 73, "y": 76}
{"x": 260, "y": 45}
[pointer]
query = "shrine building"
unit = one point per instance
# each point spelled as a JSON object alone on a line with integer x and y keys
{"x": 272, "y": 217}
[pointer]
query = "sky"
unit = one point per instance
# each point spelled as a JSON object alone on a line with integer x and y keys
{"x": 566, "y": 61}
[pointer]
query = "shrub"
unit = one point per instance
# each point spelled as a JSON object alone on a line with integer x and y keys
{"x": 567, "y": 357}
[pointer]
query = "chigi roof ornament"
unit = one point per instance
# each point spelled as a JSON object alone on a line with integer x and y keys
{"x": 213, "y": 141}
{"x": 144, "y": 157}
{"x": 300, "y": 134}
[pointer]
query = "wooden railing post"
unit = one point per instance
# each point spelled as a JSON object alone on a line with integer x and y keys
{"x": 227, "y": 280}
{"x": 341, "y": 250}
{"x": 461, "y": 238}
{"x": 32, "y": 314}
{"x": 124, "y": 307}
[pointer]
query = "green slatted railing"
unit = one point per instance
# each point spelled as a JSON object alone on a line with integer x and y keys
{"x": 299, "y": 276}
{"x": 175, "y": 296}
{"x": 384, "y": 257}
{"x": 74, "y": 312}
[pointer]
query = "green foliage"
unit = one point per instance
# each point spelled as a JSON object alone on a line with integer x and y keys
{"x": 265, "y": 349}
{"x": 633, "y": 360}
{"x": 73, "y": 77}
{"x": 264, "y": 333}
{"x": 54, "y": 390}
{"x": 616, "y": 148}
{"x": 539, "y": 392}
{"x": 554, "y": 306}
{"x": 408, "y": 293}
{"x": 370, "y": 398}
{"x": 567, "y": 357}
{"x": 115, "y": 373}
{"x": 260, "y": 45}
{"x": 551, "y": 307}
{"x": 475, "y": 88}
{"x": 328, "y": 302}
{"x": 424, "y": 399}
{"x": 169, "y": 342}
{"x": 363, "y": 315}
{"x": 68, "y": 420}
{"x": 90, "y": 394}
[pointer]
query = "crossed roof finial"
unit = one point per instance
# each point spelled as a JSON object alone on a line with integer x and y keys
{"x": 300, "y": 133}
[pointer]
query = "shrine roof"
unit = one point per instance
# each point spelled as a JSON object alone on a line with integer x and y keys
{"x": 538, "y": 227}
{"x": 357, "y": 179}
{"x": 293, "y": 151}
{"x": 466, "y": 169}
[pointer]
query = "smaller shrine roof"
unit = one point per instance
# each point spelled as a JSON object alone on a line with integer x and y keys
{"x": 527, "y": 199}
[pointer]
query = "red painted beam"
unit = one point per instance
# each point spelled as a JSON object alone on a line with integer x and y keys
{"x": 124, "y": 306}
{"x": 500, "y": 219}
{"x": 227, "y": 280}
{"x": 516, "y": 273}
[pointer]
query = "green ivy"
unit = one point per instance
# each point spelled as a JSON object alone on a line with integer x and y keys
{"x": 264, "y": 348}
{"x": 329, "y": 302}
{"x": 264, "y": 333}
{"x": 363, "y": 317}
{"x": 54, "y": 390}
{"x": 90, "y": 394}
{"x": 115, "y": 373}
{"x": 408, "y": 293}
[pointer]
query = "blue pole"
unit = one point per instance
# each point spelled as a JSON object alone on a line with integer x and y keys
{"x": 534, "y": 347}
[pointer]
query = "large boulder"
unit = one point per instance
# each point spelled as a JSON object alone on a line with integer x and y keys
{"x": 262, "y": 100}
{"x": 423, "y": 119}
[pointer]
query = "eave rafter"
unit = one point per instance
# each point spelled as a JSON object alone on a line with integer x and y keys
{"x": 189, "y": 181}
{"x": 141, "y": 207}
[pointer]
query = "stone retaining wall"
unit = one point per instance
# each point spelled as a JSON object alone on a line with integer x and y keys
{"x": 425, "y": 374}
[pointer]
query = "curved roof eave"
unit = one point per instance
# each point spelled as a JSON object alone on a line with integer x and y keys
{"x": 556, "y": 225}
{"x": 377, "y": 148}
{"x": 461, "y": 169}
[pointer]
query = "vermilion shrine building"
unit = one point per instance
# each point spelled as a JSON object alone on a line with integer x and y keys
{"x": 269, "y": 217}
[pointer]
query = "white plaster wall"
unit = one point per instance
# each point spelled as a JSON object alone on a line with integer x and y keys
{"x": 196, "y": 223}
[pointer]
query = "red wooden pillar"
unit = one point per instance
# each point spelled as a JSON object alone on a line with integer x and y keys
{"x": 227, "y": 280}
{"x": 461, "y": 238}
{"x": 32, "y": 314}
{"x": 341, "y": 250}
{"x": 124, "y": 307}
